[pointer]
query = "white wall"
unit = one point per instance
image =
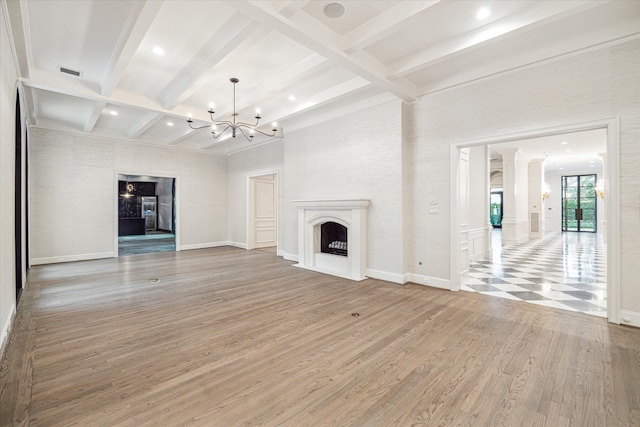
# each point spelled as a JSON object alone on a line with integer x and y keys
{"x": 72, "y": 193}
{"x": 479, "y": 237}
{"x": 522, "y": 199}
{"x": 594, "y": 85}
{"x": 262, "y": 160}
{"x": 356, "y": 156}
{"x": 8, "y": 88}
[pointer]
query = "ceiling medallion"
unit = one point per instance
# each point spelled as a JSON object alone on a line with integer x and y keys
{"x": 247, "y": 130}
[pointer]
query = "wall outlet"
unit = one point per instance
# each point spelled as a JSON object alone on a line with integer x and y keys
{"x": 433, "y": 210}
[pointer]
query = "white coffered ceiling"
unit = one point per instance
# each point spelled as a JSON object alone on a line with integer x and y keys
{"x": 377, "y": 50}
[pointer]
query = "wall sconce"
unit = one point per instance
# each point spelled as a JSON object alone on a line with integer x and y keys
{"x": 545, "y": 195}
{"x": 600, "y": 189}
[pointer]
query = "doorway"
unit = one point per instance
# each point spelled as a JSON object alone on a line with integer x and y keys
{"x": 146, "y": 214}
{"x": 579, "y": 204}
{"x": 262, "y": 215}
{"x": 496, "y": 209}
{"x": 611, "y": 176}
{"x": 19, "y": 208}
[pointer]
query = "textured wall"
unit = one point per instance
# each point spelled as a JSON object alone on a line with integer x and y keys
{"x": 357, "y": 156}
{"x": 72, "y": 193}
{"x": 595, "y": 85}
{"x": 261, "y": 160}
{"x": 8, "y": 89}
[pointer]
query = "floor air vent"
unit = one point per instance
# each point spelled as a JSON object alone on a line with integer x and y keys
{"x": 70, "y": 71}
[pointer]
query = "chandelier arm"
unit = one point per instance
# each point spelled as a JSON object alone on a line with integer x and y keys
{"x": 222, "y": 123}
{"x": 257, "y": 130}
{"x": 217, "y": 135}
{"x": 196, "y": 127}
{"x": 249, "y": 124}
{"x": 248, "y": 138}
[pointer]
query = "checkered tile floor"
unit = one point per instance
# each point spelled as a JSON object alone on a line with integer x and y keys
{"x": 566, "y": 271}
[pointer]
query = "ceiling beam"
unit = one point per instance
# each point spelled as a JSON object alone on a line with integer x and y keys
{"x": 305, "y": 69}
{"x": 95, "y": 115}
{"x": 180, "y": 136}
{"x": 19, "y": 34}
{"x": 292, "y": 7}
{"x": 615, "y": 34}
{"x": 143, "y": 125}
{"x": 539, "y": 14}
{"x": 317, "y": 38}
{"x": 138, "y": 23}
{"x": 55, "y": 83}
{"x": 384, "y": 25}
{"x": 334, "y": 93}
{"x": 235, "y": 31}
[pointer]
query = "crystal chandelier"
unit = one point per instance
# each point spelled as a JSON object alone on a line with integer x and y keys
{"x": 247, "y": 130}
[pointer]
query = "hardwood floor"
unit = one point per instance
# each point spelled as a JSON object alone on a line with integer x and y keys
{"x": 228, "y": 337}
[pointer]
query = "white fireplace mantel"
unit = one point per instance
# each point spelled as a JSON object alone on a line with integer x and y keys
{"x": 351, "y": 213}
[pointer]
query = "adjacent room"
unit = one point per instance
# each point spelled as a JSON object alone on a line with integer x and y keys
{"x": 319, "y": 212}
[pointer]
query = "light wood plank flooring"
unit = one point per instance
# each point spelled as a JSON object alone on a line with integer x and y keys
{"x": 229, "y": 337}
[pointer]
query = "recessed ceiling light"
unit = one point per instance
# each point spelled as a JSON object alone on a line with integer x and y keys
{"x": 483, "y": 13}
{"x": 591, "y": 166}
{"x": 564, "y": 143}
{"x": 169, "y": 123}
{"x": 292, "y": 98}
{"x": 334, "y": 10}
{"x": 158, "y": 51}
{"x": 113, "y": 112}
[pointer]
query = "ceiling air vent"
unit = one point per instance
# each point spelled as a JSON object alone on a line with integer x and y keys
{"x": 70, "y": 71}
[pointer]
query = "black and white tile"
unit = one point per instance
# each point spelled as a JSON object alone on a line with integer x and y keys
{"x": 566, "y": 271}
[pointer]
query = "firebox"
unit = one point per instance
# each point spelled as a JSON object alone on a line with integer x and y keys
{"x": 333, "y": 239}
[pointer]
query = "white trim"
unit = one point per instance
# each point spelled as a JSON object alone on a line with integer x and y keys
{"x": 290, "y": 257}
{"x": 387, "y": 276}
{"x": 153, "y": 174}
{"x": 630, "y": 318}
{"x": 205, "y": 245}
{"x": 350, "y": 213}
{"x": 612, "y": 180}
{"x": 70, "y": 258}
{"x": 236, "y": 244}
{"x": 97, "y": 135}
{"x": 251, "y": 208}
{"x": 435, "y": 282}
{"x": 6, "y": 329}
{"x": 332, "y": 203}
{"x": 476, "y": 235}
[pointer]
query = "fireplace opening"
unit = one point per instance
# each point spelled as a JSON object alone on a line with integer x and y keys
{"x": 333, "y": 239}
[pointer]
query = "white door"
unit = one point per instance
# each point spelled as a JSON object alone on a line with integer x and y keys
{"x": 264, "y": 211}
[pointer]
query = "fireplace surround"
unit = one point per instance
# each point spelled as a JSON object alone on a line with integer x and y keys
{"x": 345, "y": 221}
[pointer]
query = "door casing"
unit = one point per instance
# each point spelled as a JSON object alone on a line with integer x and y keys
{"x": 612, "y": 189}
{"x": 252, "y": 223}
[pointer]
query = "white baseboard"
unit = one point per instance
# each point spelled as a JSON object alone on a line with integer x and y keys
{"x": 204, "y": 245}
{"x": 290, "y": 257}
{"x": 70, "y": 258}
{"x": 6, "y": 329}
{"x": 630, "y": 318}
{"x": 435, "y": 282}
{"x": 385, "y": 275}
{"x": 237, "y": 245}
{"x": 281, "y": 253}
